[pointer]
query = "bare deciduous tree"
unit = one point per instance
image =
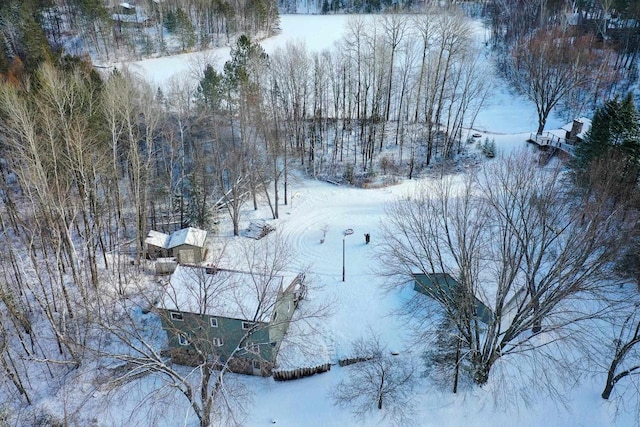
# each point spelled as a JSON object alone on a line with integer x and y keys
{"x": 548, "y": 66}
{"x": 515, "y": 242}
{"x": 624, "y": 358}
{"x": 381, "y": 380}
{"x": 138, "y": 342}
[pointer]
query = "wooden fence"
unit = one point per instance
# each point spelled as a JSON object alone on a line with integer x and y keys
{"x": 352, "y": 360}
{"x": 298, "y": 373}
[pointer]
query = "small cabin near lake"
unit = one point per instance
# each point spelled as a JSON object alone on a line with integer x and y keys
{"x": 232, "y": 317}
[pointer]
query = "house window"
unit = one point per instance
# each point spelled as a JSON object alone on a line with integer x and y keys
{"x": 176, "y": 316}
{"x": 255, "y": 364}
{"x": 183, "y": 339}
{"x": 252, "y": 347}
{"x": 218, "y": 342}
{"x": 247, "y": 325}
{"x": 213, "y": 321}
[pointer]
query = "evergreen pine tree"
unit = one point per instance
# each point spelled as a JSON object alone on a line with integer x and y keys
{"x": 325, "y": 7}
{"x": 615, "y": 132}
{"x": 210, "y": 88}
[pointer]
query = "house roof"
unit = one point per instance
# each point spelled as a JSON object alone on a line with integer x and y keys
{"x": 442, "y": 286}
{"x": 586, "y": 126}
{"x": 135, "y": 15}
{"x": 223, "y": 293}
{"x": 187, "y": 236}
{"x": 157, "y": 238}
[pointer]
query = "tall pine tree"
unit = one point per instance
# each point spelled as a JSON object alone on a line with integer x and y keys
{"x": 614, "y": 135}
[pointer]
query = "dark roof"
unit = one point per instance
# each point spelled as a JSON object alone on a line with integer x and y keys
{"x": 442, "y": 286}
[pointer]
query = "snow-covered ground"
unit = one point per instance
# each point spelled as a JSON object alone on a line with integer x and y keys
{"x": 317, "y": 32}
{"x": 359, "y": 303}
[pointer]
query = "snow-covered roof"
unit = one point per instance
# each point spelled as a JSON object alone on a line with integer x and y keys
{"x": 187, "y": 236}
{"x": 134, "y": 18}
{"x": 223, "y": 293}
{"x": 586, "y": 126}
{"x": 157, "y": 238}
{"x": 130, "y": 14}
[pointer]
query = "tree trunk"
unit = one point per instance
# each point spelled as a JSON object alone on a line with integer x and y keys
{"x": 537, "y": 319}
{"x": 457, "y": 368}
{"x": 606, "y": 393}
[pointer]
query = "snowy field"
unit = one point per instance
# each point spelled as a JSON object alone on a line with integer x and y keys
{"x": 360, "y": 304}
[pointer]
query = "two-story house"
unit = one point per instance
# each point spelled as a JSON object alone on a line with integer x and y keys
{"x": 228, "y": 317}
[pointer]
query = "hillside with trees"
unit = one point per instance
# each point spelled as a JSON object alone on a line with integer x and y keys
{"x": 108, "y": 31}
{"x": 91, "y": 162}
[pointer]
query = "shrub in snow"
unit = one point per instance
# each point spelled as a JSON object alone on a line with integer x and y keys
{"x": 489, "y": 148}
{"x": 444, "y": 361}
{"x": 349, "y": 174}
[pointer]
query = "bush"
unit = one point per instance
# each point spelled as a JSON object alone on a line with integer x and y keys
{"x": 349, "y": 174}
{"x": 386, "y": 162}
{"x": 489, "y": 148}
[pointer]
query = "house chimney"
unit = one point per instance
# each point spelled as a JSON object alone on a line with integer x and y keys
{"x": 576, "y": 128}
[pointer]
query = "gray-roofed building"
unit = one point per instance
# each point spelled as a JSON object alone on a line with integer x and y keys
{"x": 186, "y": 245}
{"x": 444, "y": 288}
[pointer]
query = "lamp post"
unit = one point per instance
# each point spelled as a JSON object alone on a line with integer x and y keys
{"x": 345, "y": 233}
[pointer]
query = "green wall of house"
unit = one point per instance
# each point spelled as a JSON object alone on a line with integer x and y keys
{"x": 442, "y": 287}
{"x": 201, "y": 335}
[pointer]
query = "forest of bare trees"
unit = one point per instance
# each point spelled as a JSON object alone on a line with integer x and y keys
{"x": 402, "y": 81}
{"x": 91, "y": 162}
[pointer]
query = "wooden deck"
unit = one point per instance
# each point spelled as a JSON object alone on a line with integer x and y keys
{"x": 548, "y": 140}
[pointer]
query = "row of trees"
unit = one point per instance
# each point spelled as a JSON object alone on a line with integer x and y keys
{"x": 567, "y": 56}
{"x": 614, "y": 22}
{"x": 413, "y": 82}
{"x": 562, "y": 68}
